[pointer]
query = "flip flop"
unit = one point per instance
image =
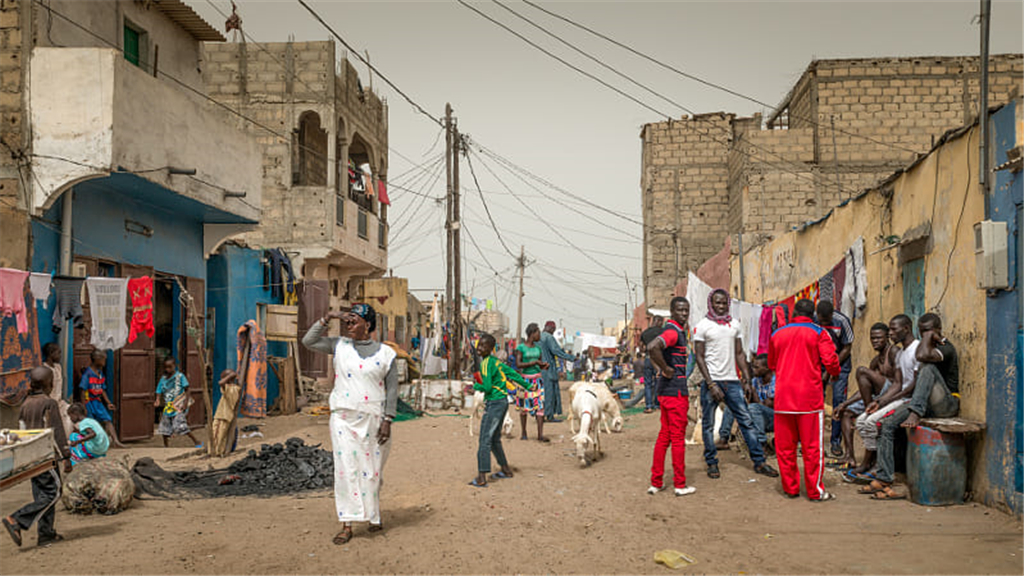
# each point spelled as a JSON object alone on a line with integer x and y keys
{"x": 476, "y": 484}
{"x": 14, "y": 531}
{"x": 888, "y": 493}
{"x": 840, "y": 466}
{"x": 872, "y": 488}
{"x": 50, "y": 540}
{"x": 342, "y": 537}
{"x": 499, "y": 476}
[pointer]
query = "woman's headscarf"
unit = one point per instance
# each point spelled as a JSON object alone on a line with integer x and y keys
{"x": 725, "y": 318}
{"x": 366, "y": 312}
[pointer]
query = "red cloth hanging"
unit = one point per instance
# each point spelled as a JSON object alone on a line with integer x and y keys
{"x": 382, "y": 193}
{"x": 141, "y": 292}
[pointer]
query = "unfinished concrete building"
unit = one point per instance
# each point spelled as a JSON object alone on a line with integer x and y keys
{"x": 845, "y": 125}
{"x": 323, "y": 185}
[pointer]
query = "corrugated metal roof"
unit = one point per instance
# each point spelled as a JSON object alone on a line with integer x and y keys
{"x": 187, "y": 18}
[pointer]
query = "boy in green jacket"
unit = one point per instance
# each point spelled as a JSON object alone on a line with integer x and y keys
{"x": 496, "y": 381}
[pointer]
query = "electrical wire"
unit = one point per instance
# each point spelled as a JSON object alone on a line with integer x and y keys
{"x": 708, "y": 83}
{"x": 483, "y": 201}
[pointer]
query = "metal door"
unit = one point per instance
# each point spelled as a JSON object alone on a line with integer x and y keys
{"x": 194, "y": 334}
{"x": 913, "y": 290}
{"x": 137, "y": 360}
{"x": 314, "y": 302}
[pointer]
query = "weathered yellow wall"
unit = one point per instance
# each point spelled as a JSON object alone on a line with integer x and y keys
{"x": 933, "y": 191}
{"x": 395, "y": 289}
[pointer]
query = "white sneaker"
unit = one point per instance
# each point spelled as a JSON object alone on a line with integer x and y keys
{"x": 654, "y": 490}
{"x": 685, "y": 491}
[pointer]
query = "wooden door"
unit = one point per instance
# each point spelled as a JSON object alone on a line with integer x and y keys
{"x": 195, "y": 340}
{"x": 314, "y": 302}
{"x": 137, "y": 361}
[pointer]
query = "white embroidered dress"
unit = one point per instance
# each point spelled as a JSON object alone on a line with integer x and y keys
{"x": 357, "y": 409}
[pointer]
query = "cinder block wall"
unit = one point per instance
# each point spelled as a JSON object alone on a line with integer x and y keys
{"x": 14, "y": 218}
{"x": 850, "y": 123}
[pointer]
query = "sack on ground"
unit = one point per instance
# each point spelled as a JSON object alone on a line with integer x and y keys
{"x": 104, "y": 486}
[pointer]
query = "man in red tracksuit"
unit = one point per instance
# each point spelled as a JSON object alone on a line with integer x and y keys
{"x": 796, "y": 352}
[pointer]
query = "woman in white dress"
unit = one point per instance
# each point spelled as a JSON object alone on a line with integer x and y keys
{"x": 363, "y": 404}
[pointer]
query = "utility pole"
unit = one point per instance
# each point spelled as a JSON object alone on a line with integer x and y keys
{"x": 448, "y": 213}
{"x": 458, "y": 333}
{"x": 983, "y": 151}
{"x": 522, "y": 268}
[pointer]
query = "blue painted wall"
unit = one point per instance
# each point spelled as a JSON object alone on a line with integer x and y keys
{"x": 234, "y": 288}
{"x": 1004, "y": 384}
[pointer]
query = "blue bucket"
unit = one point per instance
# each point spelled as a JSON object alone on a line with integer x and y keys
{"x": 625, "y": 394}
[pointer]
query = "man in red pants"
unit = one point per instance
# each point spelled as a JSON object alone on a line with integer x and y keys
{"x": 796, "y": 352}
{"x": 668, "y": 353}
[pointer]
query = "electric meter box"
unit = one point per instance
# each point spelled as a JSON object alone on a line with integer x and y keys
{"x": 990, "y": 254}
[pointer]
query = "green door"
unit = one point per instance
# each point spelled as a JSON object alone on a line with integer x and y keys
{"x": 131, "y": 45}
{"x": 913, "y": 290}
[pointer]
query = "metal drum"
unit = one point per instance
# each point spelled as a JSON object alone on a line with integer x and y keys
{"x": 936, "y": 467}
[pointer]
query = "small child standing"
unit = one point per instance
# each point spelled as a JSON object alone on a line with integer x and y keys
{"x": 176, "y": 401}
{"x": 97, "y": 404}
{"x": 89, "y": 441}
{"x": 40, "y": 411}
{"x": 496, "y": 382}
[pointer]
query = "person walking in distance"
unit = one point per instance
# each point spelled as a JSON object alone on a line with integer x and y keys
{"x": 550, "y": 352}
{"x": 797, "y": 352}
{"x": 669, "y": 352}
{"x": 720, "y": 355}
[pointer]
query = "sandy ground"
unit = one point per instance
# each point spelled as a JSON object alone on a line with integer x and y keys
{"x": 553, "y": 517}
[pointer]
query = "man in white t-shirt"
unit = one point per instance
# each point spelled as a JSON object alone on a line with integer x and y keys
{"x": 722, "y": 361}
{"x": 902, "y": 332}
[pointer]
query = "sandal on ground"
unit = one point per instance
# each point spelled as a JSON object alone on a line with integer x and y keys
{"x": 500, "y": 476}
{"x": 476, "y": 484}
{"x": 888, "y": 493}
{"x": 13, "y": 530}
{"x": 50, "y": 540}
{"x": 839, "y": 466}
{"x": 375, "y": 528}
{"x": 544, "y": 440}
{"x": 872, "y": 488}
{"x": 343, "y": 537}
{"x": 825, "y": 497}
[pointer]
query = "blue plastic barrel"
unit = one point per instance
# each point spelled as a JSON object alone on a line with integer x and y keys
{"x": 936, "y": 467}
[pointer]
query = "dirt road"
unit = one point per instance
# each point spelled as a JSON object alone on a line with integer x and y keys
{"x": 553, "y": 517}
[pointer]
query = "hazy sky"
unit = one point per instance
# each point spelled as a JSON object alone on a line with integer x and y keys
{"x": 571, "y": 131}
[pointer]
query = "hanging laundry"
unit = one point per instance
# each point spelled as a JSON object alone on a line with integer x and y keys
{"x": 382, "y": 193}
{"x": 108, "y": 300}
{"x": 783, "y": 313}
{"x": 367, "y": 179}
{"x": 697, "y": 293}
{"x": 280, "y": 264}
{"x": 847, "y": 299}
{"x": 764, "y": 329}
{"x": 252, "y": 370}
{"x": 809, "y": 292}
{"x": 860, "y": 276}
{"x": 39, "y": 282}
{"x": 141, "y": 292}
{"x": 19, "y": 352}
{"x": 825, "y": 287}
{"x": 68, "y": 291}
{"x": 838, "y": 282}
{"x": 754, "y": 329}
{"x": 12, "y": 296}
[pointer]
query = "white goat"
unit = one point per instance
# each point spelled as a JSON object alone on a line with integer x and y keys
{"x": 507, "y": 427}
{"x": 610, "y": 407}
{"x": 587, "y": 408}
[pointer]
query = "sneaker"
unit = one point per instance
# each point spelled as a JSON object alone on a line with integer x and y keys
{"x": 654, "y": 490}
{"x": 685, "y": 491}
{"x": 713, "y": 471}
{"x": 825, "y": 496}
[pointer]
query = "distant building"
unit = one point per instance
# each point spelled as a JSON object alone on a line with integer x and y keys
{"x": 844, "y": 125}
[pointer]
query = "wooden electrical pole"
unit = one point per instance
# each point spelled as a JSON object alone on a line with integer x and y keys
{"x": 457, "y": 324}
{"x": 448, "y": 214}
{"x": 522, "y": 268}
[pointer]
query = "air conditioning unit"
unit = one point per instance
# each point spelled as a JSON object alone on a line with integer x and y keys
{"x": 990, "y": 254}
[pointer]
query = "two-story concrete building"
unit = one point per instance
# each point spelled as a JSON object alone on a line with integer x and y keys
{"x": 118, "y": 164}
{"x": 322, "y": 187}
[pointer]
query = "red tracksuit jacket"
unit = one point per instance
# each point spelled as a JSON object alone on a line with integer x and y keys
{"x": 796, "y": 353}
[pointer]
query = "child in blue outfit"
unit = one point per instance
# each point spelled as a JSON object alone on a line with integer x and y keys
{"x": 173, "y": 387}
{"x": 97, "y": 404}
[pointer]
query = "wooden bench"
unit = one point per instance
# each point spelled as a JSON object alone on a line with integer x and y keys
{"x": 953, "y": 425}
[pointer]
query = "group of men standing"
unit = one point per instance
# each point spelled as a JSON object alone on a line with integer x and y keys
{"x": 785, "y": 391}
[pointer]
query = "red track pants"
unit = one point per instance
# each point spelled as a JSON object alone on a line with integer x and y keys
{"x": 804, "y": 428}
{"x": 672, "y": 433}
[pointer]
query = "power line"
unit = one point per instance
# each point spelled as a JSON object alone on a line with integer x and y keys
{"x": 483, "y": 201}
{"x": 699, "y": 79}
{"x": 394, "y": 87}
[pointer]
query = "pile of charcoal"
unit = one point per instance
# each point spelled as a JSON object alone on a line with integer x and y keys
{"x": 281, "y": 469}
